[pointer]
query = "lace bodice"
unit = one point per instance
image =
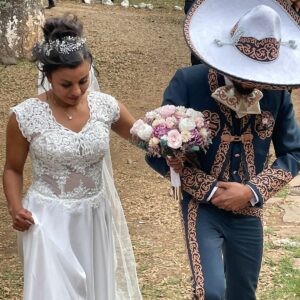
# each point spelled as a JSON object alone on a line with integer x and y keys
{"x": 67, "y": 166}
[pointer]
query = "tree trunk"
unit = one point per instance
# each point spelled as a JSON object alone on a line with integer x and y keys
{"x": 20, "y": 27}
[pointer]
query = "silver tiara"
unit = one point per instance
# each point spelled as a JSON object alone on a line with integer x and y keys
{"x": 65, "y": 45}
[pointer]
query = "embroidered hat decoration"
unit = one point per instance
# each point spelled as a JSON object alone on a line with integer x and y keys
{"x": 255, "y": 41}
{"x": 261, "y": 45}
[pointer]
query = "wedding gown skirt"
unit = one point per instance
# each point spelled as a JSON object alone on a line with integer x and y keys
{"x": 72, "y": 251}
{"x": 79, "y": 247}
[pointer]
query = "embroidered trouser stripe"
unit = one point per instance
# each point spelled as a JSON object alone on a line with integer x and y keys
{"x": 192, "y": 246}
{"x": 222, "y": 245}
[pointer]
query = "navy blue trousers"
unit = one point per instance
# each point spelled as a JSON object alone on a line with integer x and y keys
{"x": 225, "y": 251}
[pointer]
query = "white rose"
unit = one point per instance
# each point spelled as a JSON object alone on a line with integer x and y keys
{"x": 152, "y": 115}
{"x": 193, "y": 113}
{"x": 187, "y": 124}
{"x": 137, "y": 124}
{"x": 144, "y": 132}
{"x": 180, "y": 111}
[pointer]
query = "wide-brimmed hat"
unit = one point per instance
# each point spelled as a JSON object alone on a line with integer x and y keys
{"x": 247, "y": 40}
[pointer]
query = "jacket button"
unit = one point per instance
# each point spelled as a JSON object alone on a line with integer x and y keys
{"x": 237, "y": 155}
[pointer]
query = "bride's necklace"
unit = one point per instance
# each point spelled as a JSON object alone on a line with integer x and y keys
{"x": 69, "y": 116}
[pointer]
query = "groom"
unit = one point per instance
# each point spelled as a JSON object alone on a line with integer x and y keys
{"x": 240, "y": 90}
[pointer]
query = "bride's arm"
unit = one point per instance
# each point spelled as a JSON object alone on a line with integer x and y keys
{"x": 123, "y": 125}
{"x": 16, "y": 153}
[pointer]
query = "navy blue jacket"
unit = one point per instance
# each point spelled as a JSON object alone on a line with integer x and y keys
{"x": 245, "y": 161}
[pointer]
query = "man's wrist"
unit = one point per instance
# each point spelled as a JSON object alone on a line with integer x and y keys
{"x": 253, "y": 199}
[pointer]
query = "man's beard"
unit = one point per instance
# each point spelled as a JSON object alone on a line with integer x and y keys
{"x": 242, "y": 90}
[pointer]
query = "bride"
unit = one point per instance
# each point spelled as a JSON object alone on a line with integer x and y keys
{"x": 74, "y": 237}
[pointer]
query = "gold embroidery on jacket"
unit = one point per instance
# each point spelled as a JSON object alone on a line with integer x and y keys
{"x": 196, "y": 182}
{"x": 270, "y": 181}
{"x": 221, "y": 155}
{"x": 214, "y": 122}
{"x": 249, "y": 153}
{"x": 213, "y": 80}
{"x": 250, "y": 211}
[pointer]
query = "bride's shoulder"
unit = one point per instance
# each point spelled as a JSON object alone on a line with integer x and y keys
{"x": 100, "y": 96}
{"x": 102, "y": 99}
{"x": 105, "y": 106}
{"x": 30, "y": 115}
{"x": 29, "y": 104}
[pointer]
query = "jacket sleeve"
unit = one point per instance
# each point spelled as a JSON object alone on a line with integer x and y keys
{"x": 194, "y": 181}
{"x": 286, "y": 141}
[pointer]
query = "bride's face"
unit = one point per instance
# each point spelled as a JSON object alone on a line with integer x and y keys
{"x": 70, "y": 85}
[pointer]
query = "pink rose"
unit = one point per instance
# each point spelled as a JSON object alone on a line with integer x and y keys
{"x": 174, "y": 139}
{"x": 171, "y": 122}
{"x": 167, "y": 110}
{"x": 157, "y": 122}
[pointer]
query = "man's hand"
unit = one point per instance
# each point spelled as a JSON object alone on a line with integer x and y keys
{"x": 232, "y": 196}
{"x": 175, "y": 163}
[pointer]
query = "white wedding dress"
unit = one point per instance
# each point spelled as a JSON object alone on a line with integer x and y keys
{"x": 79, "y": 247}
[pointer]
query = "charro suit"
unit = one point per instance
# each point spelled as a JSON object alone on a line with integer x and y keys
{"x": 239, "y": 153}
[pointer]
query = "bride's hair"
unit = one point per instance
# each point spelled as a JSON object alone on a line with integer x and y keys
{"x": 63, "y": 45}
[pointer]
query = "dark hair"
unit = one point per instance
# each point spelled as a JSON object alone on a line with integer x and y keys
{"x": 241, "y": 89}
{"x": 58, "y": 29}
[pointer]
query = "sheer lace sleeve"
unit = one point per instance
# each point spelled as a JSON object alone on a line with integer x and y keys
{"x": 107, "y": 107}
{"x": 27, "y": 113}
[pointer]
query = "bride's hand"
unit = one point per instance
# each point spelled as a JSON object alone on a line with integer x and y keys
{"x": 22, "y": 219}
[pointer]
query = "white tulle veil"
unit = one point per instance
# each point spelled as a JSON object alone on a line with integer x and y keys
{"x": 127, "y": 287}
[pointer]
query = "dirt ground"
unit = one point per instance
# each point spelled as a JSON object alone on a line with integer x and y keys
{"x": 136, "y": 52}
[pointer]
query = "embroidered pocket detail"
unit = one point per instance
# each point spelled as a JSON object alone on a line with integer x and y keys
{"x": 264, "y": 124}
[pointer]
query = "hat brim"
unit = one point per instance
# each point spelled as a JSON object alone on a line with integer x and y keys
{"x": 208, "y": 20}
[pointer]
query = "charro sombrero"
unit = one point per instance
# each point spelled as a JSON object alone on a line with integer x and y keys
{"x": 247, "y": 40}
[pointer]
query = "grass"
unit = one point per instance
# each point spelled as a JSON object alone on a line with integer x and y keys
{"x": 11, "y": 278}
{"x": 286, "y": 281}
{"x": 269, "y": 231}
{"x": 283, "y": 193}
{"x": 285, "y": 276}
{"x": 170, "y": 288}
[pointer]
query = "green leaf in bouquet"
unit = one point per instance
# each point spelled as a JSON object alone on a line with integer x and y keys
{"x": 194, "y": 149}
{"x": 163, "y": 143}
{"x": 168, "y": 152}
{"x": 143, "y": 145}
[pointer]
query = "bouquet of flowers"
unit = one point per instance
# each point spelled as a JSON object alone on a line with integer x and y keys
{"x": 172, "y": 131}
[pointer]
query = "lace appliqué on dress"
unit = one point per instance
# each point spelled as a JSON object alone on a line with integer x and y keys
{"x": 66, "y": 165}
